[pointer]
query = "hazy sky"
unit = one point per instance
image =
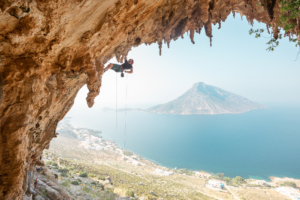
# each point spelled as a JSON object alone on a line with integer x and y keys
{"x": 236, "y": 62}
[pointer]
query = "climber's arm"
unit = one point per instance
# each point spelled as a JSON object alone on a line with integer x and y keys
{"x": 130, "y": 71}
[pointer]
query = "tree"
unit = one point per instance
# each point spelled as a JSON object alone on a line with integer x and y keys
{"x": 289, "y": 13}
{"x": 239, "y": 179}
{"x": 220, "y": 176}
{"x": 227, "y": 180}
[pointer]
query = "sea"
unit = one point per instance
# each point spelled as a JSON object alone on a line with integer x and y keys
{"x": 255, "y": 144}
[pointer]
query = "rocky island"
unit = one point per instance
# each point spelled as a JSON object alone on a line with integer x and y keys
{"x": 206, "y": 99}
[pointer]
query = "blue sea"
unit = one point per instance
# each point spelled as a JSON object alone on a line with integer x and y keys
{"x": 255, "y": 144}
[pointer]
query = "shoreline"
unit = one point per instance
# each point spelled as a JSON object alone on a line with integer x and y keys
{"x": 154, "y": 162}
{"x": 82, "y": 150}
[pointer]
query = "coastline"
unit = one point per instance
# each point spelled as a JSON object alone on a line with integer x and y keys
{"x": 156, "y": 163}
{"x": 85, "y": 151}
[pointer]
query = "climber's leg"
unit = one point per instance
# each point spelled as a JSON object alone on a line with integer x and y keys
{"x": 115, "y": 67}
{"x": 108, "y": 67}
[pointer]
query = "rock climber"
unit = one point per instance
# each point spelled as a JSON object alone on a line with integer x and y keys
{"x": 121, "y": 68}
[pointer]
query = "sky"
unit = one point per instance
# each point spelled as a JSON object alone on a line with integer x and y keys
{"x": 236, "y": 62}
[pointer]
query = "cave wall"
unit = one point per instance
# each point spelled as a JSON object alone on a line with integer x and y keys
{"x": 49, "y": 49}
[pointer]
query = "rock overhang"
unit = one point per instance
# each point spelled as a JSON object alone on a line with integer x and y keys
{"x": 50, "y": 49}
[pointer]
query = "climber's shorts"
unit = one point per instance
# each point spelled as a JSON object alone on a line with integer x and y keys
{"x": 117, "y": 68}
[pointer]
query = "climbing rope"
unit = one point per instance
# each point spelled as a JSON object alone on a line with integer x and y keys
{"x": 125, "y": 111}
{"x": 125, "y": 108}
{"x": 116, "y": 103}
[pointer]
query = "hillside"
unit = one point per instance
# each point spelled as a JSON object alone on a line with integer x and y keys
{"x": 206, "y": 99}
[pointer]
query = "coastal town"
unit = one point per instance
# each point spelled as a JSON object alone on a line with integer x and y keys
{"x": 94, "y": 152}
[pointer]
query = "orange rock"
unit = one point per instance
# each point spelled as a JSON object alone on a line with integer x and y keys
{"x": 50, "y": 49}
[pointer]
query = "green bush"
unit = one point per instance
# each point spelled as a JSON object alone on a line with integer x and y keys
{"x": 66, "y": 183}
{"x": 64, "y": 174}
{"x": 70, "y": 168}
{"x": 64, "y": 170}
{"x": 79, "y": 180}
{"x": 101, "y": 186}
{"x": 92, "y": 175}
{"x": 110, "y": 190}
{"x": 49, "y": 162}
{"x": 93, "y": 183}
{"x": 220, "y": 176}
{"x": 75, "y": 182}
{"x": 54, "y": 164}
{"x": 101, "y": 178}
{"x": 289, "y": 184}
{"x": 129, "y": 193}
{"x": 127, "y": 153}
{"x": 84, "y": 174}
{"x": 86, "y": 189}
{"x": 240, "y": 179}
{"x": 56, "y": 176}
{"x": 227, "y": 180}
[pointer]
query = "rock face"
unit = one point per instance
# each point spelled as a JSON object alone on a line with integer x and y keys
{"x": 206, "y": 99}
{"x": 48, "y": 189}
{"x": 49, "y": 49}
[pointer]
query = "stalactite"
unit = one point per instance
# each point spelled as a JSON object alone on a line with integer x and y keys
{"x": 160, "y": 47}
{"x": 268, "y": 28}
{"x": 192, "y": 33}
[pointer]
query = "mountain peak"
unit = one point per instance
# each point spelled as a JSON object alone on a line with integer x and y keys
{"x": 207, "y": 99}
{"x": 195, "y": 85}
{"x": 200, "y": 86}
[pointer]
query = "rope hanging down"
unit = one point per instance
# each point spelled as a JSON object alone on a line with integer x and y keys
{"x": 116, "y": 104}
{"x": 125, "y": 112}
{"x": 125, "y": 108}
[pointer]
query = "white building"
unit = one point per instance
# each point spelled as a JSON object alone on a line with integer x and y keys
{"x": 259, "y": 182}
{"x": 136, "y": 163}
{"x": 202, "y": 174}
{"x": 214, "y": 184}
{"x": 161, "y": 172}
